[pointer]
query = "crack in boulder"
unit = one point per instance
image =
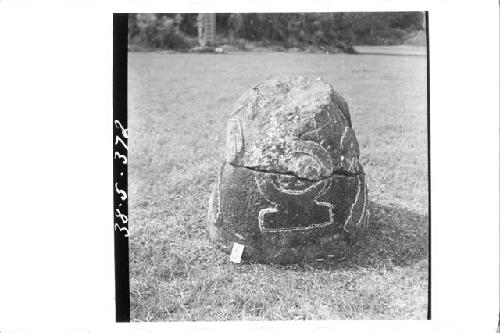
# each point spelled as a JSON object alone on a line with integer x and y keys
{"x": 335, "y": 173}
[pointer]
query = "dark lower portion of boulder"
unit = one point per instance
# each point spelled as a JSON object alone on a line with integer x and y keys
{"x": 283, "y": 219}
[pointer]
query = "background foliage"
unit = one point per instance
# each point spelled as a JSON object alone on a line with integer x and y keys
{"x": 324, "y": 31}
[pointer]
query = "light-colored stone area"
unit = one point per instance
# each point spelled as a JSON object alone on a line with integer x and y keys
{"x": 293, "y": 125}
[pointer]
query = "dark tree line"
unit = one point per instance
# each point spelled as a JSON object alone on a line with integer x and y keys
{"x": 340, "y": 30}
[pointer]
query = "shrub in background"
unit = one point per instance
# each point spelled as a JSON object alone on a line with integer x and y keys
{"x": 322, "y": 31}
{"x": 158, "y": 31}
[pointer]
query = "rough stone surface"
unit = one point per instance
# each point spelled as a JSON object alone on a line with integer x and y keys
{"x": 290, "y": 186}
{"x": 277, "y": 124}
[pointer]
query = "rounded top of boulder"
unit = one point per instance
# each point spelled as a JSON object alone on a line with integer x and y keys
{"x": 293, "y": 125}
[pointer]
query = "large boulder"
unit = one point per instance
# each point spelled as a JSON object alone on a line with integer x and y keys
{"x": 290, "y": 186}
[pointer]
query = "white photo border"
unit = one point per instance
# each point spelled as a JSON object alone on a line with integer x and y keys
{"x": 57, "y": 102}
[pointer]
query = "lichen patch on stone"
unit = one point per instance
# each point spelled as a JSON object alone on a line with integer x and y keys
{"x": 293, "y": 125}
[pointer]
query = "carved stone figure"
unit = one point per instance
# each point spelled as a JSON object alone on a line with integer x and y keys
{"x": 290, "y": 187}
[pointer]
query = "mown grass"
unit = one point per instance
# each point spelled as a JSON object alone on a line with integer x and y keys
{"x": 178, "y": 106}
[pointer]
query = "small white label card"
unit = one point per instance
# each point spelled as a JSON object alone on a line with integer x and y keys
{"x": 236, "y": 253}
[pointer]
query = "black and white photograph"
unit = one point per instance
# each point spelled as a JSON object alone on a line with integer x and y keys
{"x": 278, "y": 166}
{"x": 261, "y": 166}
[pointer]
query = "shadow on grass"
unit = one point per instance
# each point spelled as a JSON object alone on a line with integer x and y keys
{"x": 174, "y": 283}
{"x": 395, "y": 237}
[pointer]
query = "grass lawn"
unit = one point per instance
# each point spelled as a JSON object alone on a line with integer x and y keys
{"x": 178, "y": 107}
